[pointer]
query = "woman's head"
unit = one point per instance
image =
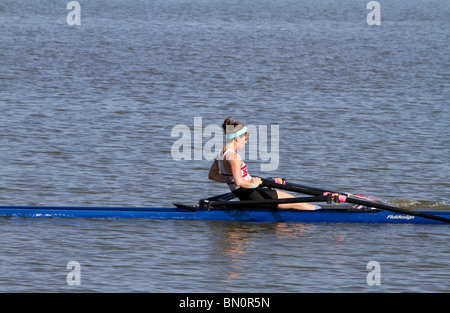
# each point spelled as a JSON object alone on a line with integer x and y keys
{"x": 235, "y": 130}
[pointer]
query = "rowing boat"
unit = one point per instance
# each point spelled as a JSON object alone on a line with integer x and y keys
{"x": 220, "y": 208}
{"x": 328, "y": 214}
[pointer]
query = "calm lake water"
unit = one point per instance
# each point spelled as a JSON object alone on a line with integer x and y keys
{"x": 87, "y": 114}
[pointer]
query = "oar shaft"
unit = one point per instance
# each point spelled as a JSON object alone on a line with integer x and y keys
{"x": 349, "y": 199}
{"x": 249, "y": 204}
{"x": 295, "y": 188}
{"x": 395, "y": 209}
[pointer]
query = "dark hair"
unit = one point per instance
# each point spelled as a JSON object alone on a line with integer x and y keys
{"x": 229, "y": 126}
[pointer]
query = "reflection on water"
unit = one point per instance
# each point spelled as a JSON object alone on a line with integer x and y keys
{"x": 270, "y": 248}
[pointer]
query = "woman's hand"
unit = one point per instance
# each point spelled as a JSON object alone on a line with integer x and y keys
{"x": 256, "y": 181}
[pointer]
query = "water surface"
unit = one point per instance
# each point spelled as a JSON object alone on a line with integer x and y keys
{"x": 87, "y": 113}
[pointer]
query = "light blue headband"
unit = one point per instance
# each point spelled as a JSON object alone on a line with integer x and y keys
{"x": 238, "y": 133}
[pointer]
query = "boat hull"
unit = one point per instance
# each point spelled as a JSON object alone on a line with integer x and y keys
{"x": 325, "y": 215}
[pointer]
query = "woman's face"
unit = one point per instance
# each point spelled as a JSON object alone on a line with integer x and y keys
{"x": 241, "y": 141}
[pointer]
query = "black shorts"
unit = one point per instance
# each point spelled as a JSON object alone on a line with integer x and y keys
{"x": 257, "y": 194}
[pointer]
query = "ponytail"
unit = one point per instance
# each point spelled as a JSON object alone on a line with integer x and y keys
{"x": 229, "y": 126}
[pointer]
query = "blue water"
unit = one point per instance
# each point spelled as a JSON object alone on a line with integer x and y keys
{"x": 86, "y": 119}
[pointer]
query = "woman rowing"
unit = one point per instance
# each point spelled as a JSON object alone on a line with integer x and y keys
{"x": 228, "y": 167}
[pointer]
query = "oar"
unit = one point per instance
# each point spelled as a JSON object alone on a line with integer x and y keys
{"x": 282, "y": 184}
{"x": 275, "y": 182}
{"x": 222, "y": 197}
{"x": 252, "y": 204}
{"x": 393, "y": 209}
{"x": 343, "y": 197}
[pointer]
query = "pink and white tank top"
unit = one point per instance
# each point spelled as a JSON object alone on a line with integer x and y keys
{"x": 228, "y": 176}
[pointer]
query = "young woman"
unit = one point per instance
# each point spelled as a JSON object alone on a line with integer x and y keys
{"x": 228, "y": 167}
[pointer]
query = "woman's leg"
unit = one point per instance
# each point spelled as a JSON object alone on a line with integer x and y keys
{"x": 296, "y": 206}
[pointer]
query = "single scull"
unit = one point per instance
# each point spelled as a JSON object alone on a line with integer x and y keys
{"x": 221, "y": 208}
{"x": 328, "y": 214}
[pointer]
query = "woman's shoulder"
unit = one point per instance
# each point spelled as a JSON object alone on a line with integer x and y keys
{"x": 230, "y": 155}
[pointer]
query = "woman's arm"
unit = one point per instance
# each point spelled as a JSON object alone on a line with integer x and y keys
{"x": 235, "y": 163}
{"x": 214, "y": 173}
